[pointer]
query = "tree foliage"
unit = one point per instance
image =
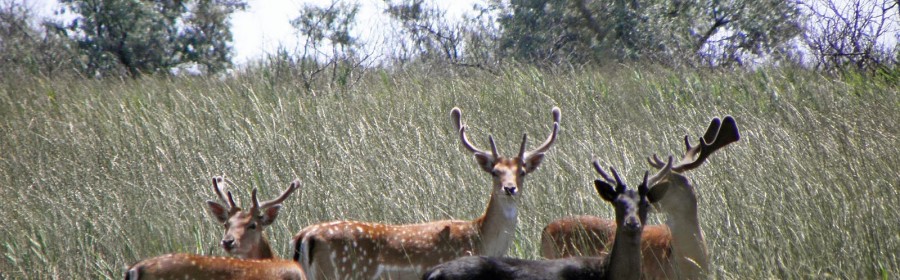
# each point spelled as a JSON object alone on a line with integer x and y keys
{"x": 710, "y": 32}
{"x": 328, "y": 42}
{"x": 28, "y": 49}
{"x": 138, "y": 36}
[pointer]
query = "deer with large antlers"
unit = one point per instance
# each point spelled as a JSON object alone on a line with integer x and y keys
{"x": 360, "y": 250}
{"x": 623, "y": 261}
{"x": 675, "y": 249}
{"x": 243, "y": 239}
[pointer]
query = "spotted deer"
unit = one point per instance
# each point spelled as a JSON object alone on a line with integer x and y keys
{"x": 675, "y": 249}
{"x": 244, "y": 239}
{"x": 622, "y": 262}
{"x": 363, "y": 250}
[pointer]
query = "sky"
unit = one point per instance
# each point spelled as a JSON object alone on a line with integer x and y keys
{"x": 265, "y": 25}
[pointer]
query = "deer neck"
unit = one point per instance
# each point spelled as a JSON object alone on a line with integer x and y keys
{"x": 497, "y": 226}
{"x": 261, "y": 251}
{"x": 688, "y": 245}
{"x": 625, "y": 256}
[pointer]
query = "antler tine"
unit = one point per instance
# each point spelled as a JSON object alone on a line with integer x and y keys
{"x": 231, "y": 201}
{"x": 284, "y": 195}
{"x": 468, "y": 145}
{"x": 253, "y": 197}
{"x": 522, "y": 148}
{"x": 599, "y": 169}
{"x": 547, "y": 143}
{"x": 456, "y": 118}
{"x": 655, "y": 162}
{"x": 719, "y": 134}
{"x": 494, "y": 151}
{"x": 663, "y": 172}
{"x": 713, "y": 129}
{"x": 557, "y": 117}
{"x": 620, "y": 187}
{"x": 219, "y": 189}
{"x": 643, "y": 189}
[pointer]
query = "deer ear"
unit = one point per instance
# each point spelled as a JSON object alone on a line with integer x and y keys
{"x": 269, "y": 215}
{"x": 606, "y": 191}
{"x": 532, "y": 162}
{"x": 657, "y": 192}
{"x": 486, "y": 162}
{"x": 217, "y": 210}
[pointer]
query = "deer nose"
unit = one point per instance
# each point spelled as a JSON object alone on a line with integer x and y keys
{"x": 228, "y": 244}
{"x": 632, "y": 224}
{"x": 510, "y": 190}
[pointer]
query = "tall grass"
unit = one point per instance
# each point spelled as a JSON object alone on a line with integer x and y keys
{"x": 95, "y": 175}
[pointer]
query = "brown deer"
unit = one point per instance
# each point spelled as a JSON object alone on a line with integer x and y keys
{"x": 361, "y": 250}
{"x": 672, "y": 250}
{"x": 622, "y": 262}
{"x": 243, "y": 238}
{"x": 188, "y": 266}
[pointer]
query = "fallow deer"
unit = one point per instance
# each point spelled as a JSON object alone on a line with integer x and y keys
{"x": 189, "y": 266}
{"x": 243, "y": 239}
{"x": 623, "y": 261}
{"x": 675, "y": 249}
{"x": 361, "y": 250}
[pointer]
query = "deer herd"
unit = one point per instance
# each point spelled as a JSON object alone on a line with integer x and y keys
{"x": 578, "y": 247}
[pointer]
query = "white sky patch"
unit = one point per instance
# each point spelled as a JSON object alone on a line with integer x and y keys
{"x": 265, "y": 25}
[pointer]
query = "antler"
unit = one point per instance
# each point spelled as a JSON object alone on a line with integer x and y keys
{"x": 719, "y": 134}
{"x": 557, "y": 117}
{"x": 230, "y": 201}
{"x": 284, "y": 195}
{"x": 661, "y": 174}
{"x": 620, "y": 187}
{"x": 456, "y": 115}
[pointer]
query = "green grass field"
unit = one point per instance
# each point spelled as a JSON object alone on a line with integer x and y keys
{"x": 96, "y": 175}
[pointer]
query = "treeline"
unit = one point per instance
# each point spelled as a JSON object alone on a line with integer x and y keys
{"x": 106, "y": 38}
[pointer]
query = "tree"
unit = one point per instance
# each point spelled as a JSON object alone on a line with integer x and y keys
{"x": 328, "y": 40}
{"x": 26, "y": 49}
{"x": 852, "y": 34}
{"x": 583, "y": 31}
{"x": 141, "y": 36}
{"x": 207, "y": 33}
{"x": 425, "y": 33}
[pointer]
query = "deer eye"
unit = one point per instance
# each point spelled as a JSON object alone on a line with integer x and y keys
{"x": 251, "y": 226}
{"x": 227, "y": 225}
{"x": 495, "y": 172}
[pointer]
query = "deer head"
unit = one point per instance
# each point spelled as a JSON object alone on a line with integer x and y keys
{"x": 631, "y": 207}
{"x": 244, "y": 229}
{"x": 508, "y": 173}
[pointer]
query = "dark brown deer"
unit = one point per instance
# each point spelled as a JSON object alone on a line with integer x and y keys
{"x": 672, "y": 250}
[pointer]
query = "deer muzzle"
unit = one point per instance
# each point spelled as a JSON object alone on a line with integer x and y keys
{"x": 228, "y": 244}
{"x": 510, "y": 189}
